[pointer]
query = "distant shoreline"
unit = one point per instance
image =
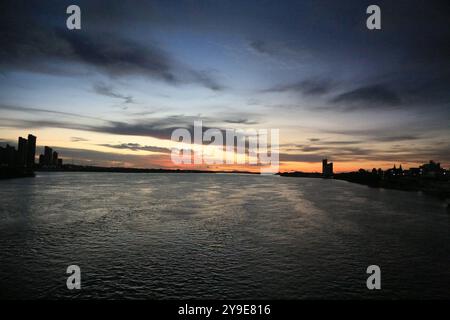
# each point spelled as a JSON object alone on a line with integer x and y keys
{"x": 434, "y": 187}
{"x": 78, "y": 168}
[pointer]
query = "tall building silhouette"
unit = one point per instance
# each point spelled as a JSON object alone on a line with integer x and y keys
{"x": 22, "y": 149}
{"x": 31, "y": 151}
{"x": 10, "y": 155}
{"x": 327, "y": 168}
{"x": 48, "y": 156}
{"x": 55, "y": 158}
{"x": 21, "y": 162}
{"x": 50, "y": 159}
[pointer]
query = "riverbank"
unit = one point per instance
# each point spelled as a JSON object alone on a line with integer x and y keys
{"x": 438, "y": 187}
{"x": 432, "y": 186}
{"x": 78, "y": 168}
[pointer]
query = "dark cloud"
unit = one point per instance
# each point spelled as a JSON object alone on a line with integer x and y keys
{"x": 382, "y": 134}
{"x": 311, "y": 148}
{"x": 110, "y": 159}
{"x": 261, "y": 47}
{"x": 143, "y": 113}
{"x": 149, "y": 128}
{"x": 309, "y": 87}
{"x": 34, "y": 43}
{"x": 383, "y": 144}
{"x": 404, "y": 154}
{"x": 403, "y": 151}
{"x": 137, "y": 147}
{"x": 160, "y": 128}
{"x": 207, "y": 80}
{"x": 391, "y": 138}
{"x": 241, "y": 121}
{"x": 341, "y": 142}
{"x": 117, "y": 56}
{"x": 330, "y": 150}
{"x": 78, "y": 139}
{"x": 367, "y": 97}
{"x": 398, "y": 154}
{"x": 110, "y": 54}
{"x": 29, "y": 124}
{"x": 290, "y": 157}
{"x": 405, "y": 65}
{"x": 43, "y": 111}
{"x": 109, "y": 91}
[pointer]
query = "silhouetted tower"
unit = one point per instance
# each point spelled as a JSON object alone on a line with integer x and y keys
{"x": 31, "y": 150}
{"x": 2, "y": 155}
{"x": 55, "y": 158}
{"x": 327, "y": 168}
{"x": 10, "y": 155}
{"x": 41, "y": 160}
{"x": 22, "y": 148}
{"x": 48, "y": 155}
{"x": 324, "y": 166}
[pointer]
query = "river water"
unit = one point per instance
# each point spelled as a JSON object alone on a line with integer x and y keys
{"x": 166, "y": 236}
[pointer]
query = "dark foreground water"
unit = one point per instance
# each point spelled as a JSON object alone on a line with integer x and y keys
{"x": 160, "y": 236}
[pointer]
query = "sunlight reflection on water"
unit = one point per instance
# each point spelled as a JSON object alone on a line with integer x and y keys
{"x": 218, "y": 236}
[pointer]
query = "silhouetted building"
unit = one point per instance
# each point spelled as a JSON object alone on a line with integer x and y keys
{"x": 31, "y": 151}
{"x": 41, "y": 160}
{"x": 48, "y": 156}
{"x": 395, "y": 171}
{"x": 50, "y": 159}
{"x": 432, "y": 169}
{"x": 414, "y": 172}
{"x": 55, "y": 158}
{"x": 3, "y": 156}
{"x": 23, "y": 157}
{"x": 429, "y": 170}
{"x": 327, "y": 168}
{"x": 10, "y": 155}
{"x": 17, "y": 163}
{"x": 22, "y": 149}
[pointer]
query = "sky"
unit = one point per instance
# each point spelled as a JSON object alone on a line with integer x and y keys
{"x": 112, "y": 93}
